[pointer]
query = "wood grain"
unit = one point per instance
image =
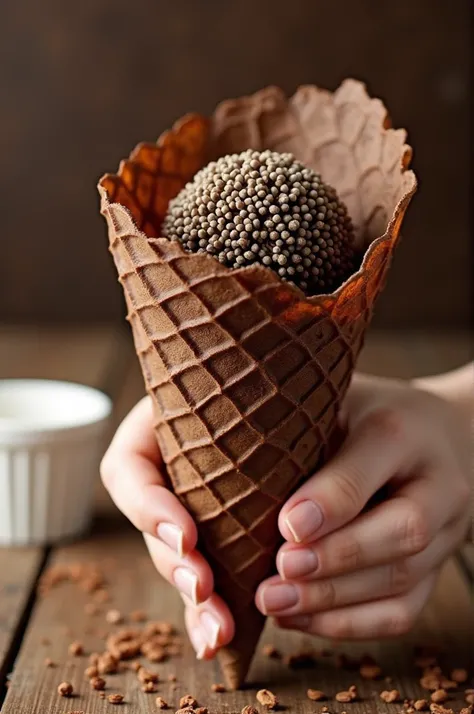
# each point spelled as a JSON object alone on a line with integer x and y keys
{"x": 18, "y": 573}
{"x": 134, "y": 584}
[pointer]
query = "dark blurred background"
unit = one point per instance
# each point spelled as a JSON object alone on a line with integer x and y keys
{"x": 82, "y": 82}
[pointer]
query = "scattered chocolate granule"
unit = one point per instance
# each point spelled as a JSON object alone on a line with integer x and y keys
{"x": 114, "y": 617}
{"x": 171, "y": 678}
{"x": 186, "y": 710}
{"x": 124, "y": 644}
{"x": 325, "y": 710}
{"x": 218, "y": 687}
{"x": 315, "y": 695}
{"x": 421, "y": 705}
{"x": 98, "y": 683}
{"x": 138, "y": 616}
{"x": 439, "y": 709}
{"x": 145, "y": 675}
{"x": 107, "y": 664}
{"x": 76, "y": 649}
{"x": 115, "y": 698}
{"x": 201, "y": 710}
{"x": 353, "y": 691}
{"x": 160, "y": 703}
{"x": 430, "y": 681}
{"x": 459, "y": 675}
{"x": 149, "y": 688}
{"x": 49, "y": 663}
{"x": 188, "y": 701}
{"x": 65, "y": 689}
{"x": 439, "y": 696}
{"x": 469, "y": 696}
{"x": 390, "y": 696}
{"x": 248, "y": 710}
{"x": 370, "y": 671}
{"x": 271, "y": 651}
{"x": 344, "y": 697}
{"x": 94, "y": 659}
{"x": 267, "y": 699}
{"x": 91, "y": 671}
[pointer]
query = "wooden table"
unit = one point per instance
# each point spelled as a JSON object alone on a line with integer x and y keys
{"x": 103, "y": 357}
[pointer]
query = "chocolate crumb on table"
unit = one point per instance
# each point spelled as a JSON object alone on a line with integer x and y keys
{"x": 76, "y": 649}
{"x": 421, "y": 705}
{"x": 161, "y": 703}
{"x": 348, "y": 695}
{"x": 115, "y": 698}
{"x": 218, "y": 687}
{"x": 201, "y": 710}
{"x": 98, "y": 683}
{"x": 390, "y": 696}
{"x": 188, "y": 701}
{"x": 91, "y": 672}
{"x": 249, "y": 709}
{"x": 439, "y": 696}
{"x": 65, "y": 689}
{"x": 267, "y": 699}
{"x": 315, "y": 695}
{"x": 149, "y": 688}
{"x": 49, "y": 663}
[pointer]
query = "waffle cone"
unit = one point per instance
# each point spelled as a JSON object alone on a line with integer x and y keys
{"x": 246, "y": 374}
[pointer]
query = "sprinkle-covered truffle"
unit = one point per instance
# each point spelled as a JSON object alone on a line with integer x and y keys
{"x": 267, "y": 208}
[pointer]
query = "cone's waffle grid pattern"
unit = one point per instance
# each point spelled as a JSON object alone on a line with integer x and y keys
{"x": 245, "y": 373}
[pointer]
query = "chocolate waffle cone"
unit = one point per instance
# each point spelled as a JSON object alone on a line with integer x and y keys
{"x": 247, "y": 374}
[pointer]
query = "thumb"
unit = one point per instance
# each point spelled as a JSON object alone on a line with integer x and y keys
{"x": 373, "y": 453}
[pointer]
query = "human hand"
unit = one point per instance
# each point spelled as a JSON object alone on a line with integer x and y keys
{"x": 131, "y": 472}
{"x": 355, "y": 569}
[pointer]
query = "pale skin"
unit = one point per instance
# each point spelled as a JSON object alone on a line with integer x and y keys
{"x": 346, "y": 570}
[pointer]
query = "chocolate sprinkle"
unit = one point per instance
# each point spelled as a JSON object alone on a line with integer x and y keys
{"x": 267, "y": 208}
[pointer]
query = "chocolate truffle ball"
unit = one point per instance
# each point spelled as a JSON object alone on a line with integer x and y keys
{"x": 266, "y": 207}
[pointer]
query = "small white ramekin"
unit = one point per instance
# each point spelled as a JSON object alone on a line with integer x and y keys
{"x": 52, "y": 436}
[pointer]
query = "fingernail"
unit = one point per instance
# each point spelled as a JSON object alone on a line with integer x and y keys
{"x": 297, "y": 563}
{"x": 187, "y": 582}
{"x": 211, "y": 627}
{"x": 171, "y": 535}
{"x": 304, "y": 520}
{"x": 276, "y": 598}
{"x": 297, "y": 622}
{"x": 198, "y": 641}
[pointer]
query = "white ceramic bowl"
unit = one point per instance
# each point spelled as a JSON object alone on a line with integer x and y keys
{"x": 51, "y": 441}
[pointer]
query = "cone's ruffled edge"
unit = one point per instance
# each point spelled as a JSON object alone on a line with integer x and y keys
{"x": 180, "y": 152}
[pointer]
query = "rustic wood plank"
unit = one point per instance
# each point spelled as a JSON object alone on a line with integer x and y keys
{"x": 97, "y": 357}
{"x": 448, "y": 620}
{"x": 18, "y": 572}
